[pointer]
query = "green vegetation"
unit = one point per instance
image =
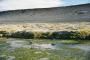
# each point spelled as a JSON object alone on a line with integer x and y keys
{"x": 62, "y": 53}
{"x": 34, "y": 54}
{"x": 29, "y": 54}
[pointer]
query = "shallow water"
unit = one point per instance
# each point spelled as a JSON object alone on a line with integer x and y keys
{"x": 25, "y": 44}
{"x": 58, "y": 49}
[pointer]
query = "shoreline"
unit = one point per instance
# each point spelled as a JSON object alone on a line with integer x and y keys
{"x": 46, "y": 30}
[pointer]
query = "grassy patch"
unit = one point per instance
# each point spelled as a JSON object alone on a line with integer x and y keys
{"x": 34, "y": 54}
{"x": 28, "y": 54}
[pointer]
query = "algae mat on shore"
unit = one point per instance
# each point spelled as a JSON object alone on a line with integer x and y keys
{"x": 36, "y": 49}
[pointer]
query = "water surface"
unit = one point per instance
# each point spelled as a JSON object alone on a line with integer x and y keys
{"x": 20, "y": 49}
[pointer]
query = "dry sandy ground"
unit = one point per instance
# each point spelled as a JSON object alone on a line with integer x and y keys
{"x": 45, "y": 26}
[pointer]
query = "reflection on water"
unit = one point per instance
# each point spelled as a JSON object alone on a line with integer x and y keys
{"x": 56, "y": 48}
{"x": 78, "y": 46}
{"x": 25, "y": 44}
